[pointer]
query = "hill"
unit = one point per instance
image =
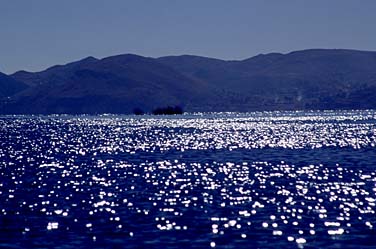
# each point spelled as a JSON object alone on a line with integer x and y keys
{"x": 115, "y": 84}
{"x": 9, "y": 86}
{"x": 308, "y": 79}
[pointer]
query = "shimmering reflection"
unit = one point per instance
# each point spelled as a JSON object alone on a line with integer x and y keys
{"x": 281, "y": 179}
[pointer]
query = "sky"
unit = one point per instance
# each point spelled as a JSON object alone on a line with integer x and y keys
{"x": 38, "y": 34}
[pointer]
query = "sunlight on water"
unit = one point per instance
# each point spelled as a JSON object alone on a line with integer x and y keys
{"x": 281, "y": 179}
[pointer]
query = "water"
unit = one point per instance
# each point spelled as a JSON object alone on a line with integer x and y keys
{"x": 227, "y": 180}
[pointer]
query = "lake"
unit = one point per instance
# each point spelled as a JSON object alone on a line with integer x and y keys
{"x": 203, "y": 180}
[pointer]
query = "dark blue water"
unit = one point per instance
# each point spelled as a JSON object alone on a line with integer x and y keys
{"x": 257, "y": 180}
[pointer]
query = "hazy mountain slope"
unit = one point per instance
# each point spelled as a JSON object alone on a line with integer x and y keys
{"x": 9, "y": 86}
{"x": 304, "y": 79}
{"x": 116, "y": 84}
{"x": 58, "y": 74}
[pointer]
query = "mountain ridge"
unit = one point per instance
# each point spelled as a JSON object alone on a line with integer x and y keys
{"x": 306, "y": 79}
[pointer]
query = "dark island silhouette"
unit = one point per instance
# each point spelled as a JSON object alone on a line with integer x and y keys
{"x": 300, "y": 80}
{"x": 168, "y": 110}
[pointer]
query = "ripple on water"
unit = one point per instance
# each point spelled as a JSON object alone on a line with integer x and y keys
{"x": 284, "y": 179}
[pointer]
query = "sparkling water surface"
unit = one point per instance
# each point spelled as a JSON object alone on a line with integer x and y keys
{"x": 220, "y": 180}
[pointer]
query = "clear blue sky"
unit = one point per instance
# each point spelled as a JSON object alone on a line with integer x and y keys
{"x": 36, "y": 34}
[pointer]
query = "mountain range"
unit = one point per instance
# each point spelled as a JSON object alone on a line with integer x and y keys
{"x": 300, "y": 80}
